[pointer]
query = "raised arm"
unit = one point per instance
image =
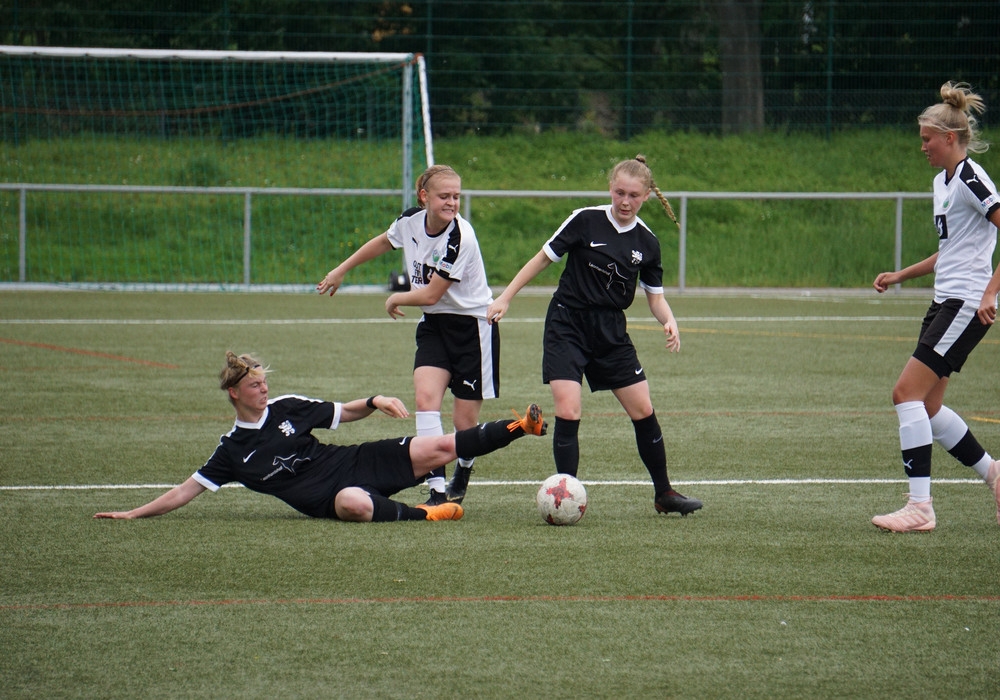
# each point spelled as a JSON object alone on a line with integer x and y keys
{"x": 173, "y": 499}
{"x": 531, "y": 269}
{"x": 369, "y": 251}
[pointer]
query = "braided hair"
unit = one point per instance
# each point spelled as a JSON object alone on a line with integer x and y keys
{"x": 637, "y": 168}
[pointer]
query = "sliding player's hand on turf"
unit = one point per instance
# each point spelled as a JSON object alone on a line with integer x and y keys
{"x": 116, "y": 515}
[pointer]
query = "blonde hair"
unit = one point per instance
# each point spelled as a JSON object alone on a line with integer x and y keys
{"x": 425, "y": 178}
{"x": 954, "y": 113}
{"x": 637, "y": 168}
{"x": 237, "y": 367}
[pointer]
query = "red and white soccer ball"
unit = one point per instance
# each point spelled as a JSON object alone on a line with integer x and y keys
{"x": 562, "y": 500}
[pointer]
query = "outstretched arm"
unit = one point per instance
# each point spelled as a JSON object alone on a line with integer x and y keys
{"x": 358, "y": 409}
{"x": 369, "y": 251}
{"x": 172, "y": 500}
{"x": 498, "y": 309}
{"x": 884, "y": 280}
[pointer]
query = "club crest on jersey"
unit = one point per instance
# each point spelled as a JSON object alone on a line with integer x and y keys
{"x": 636, "y": 257}
{"x": 287, "y": 428}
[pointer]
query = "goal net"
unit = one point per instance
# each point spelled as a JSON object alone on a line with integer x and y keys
{"x": 203, "y": 169}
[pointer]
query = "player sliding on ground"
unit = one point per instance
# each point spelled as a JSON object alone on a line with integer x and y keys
{"x": 271, "y": 449}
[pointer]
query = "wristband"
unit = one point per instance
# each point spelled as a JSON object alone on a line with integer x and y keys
{"x": 370, "y": 403}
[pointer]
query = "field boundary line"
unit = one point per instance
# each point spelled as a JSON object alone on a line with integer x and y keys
{"x": 651, "y": 598}
{"x": 623, "y": 482}
{"x": 379, "y": 319}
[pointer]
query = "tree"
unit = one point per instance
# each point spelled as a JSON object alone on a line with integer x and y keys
{"x": 739, "y": 62}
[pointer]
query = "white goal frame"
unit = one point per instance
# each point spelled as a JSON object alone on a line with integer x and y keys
{"x": 409, "y": 61}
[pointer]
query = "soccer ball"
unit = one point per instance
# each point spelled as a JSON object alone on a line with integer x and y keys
{"x": 561, "y": 500}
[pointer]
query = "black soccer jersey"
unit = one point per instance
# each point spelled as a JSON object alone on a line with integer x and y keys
{"x": 280, "y": 456}
{"x": 605, "y": 262}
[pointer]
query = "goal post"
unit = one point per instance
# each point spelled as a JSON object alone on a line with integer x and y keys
{"x": 217, "y": 168}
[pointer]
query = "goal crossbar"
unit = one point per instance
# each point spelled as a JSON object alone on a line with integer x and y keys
{"x": 196, "y": 55}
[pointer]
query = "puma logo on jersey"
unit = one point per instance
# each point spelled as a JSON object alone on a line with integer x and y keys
{"x": 974, "y": 178}
{"x": 453, "y": 247}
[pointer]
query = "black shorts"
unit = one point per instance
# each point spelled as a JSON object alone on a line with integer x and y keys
{"x": 381, "y": 467}
{"x": 466, "y": 346}
{"x": 948, "y": 334}
{"x": 592, "y": 343}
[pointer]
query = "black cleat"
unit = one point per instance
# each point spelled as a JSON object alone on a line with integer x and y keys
{"x": 458, "y": 485}
{"x": 673, "y": 502}
{"x": 436, "y": 498}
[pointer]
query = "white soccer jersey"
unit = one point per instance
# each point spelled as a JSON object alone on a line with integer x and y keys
{"x": 453, "y": 254}
{"x": 966, "y": 237}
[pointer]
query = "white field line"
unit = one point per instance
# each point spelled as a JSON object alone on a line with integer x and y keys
{"x": 477, "y": 484}
{"x": 367, "y": 321}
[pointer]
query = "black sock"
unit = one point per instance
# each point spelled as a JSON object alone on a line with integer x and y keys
{"x": 486, "y": 438}
{"x": 968, "y": 451}
{"x": 386, "y": 510}
{"x": 649, "y": 439}
{"x": 566, "y": 446}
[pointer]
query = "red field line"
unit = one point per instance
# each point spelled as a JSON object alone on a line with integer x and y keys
{"x": 873, "y": 598}
{"x": 88, "y": 353}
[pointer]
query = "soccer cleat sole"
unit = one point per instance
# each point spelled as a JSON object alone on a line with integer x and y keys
{"x": 443, "y": 511}
{"x": 532, "y": 422}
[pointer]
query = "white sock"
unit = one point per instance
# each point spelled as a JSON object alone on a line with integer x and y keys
{"x": 429, "y": 424}
{"x": 466, "y": 463}
{"x": 920, "y": 489}
{"x": 915, "y": 431}
{"x": 948, "y": 428}
{"x": 983, "y": 466}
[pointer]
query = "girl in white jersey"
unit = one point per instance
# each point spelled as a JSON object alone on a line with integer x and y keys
{"x": 609, "y": 252}
{"x": 966, "y": 215}
{"x": 456, "y": 348}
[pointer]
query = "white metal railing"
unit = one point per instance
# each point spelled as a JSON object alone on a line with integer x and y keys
{"x": 468, "y": 197}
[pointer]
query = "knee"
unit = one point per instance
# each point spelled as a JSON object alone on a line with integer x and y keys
{"x": 354, "y": 505}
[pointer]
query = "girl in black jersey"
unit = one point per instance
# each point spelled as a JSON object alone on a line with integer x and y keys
{"x": 966, "y": 216}
{"x": 609, "y": 251}
{"x": 271, "y": 450}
